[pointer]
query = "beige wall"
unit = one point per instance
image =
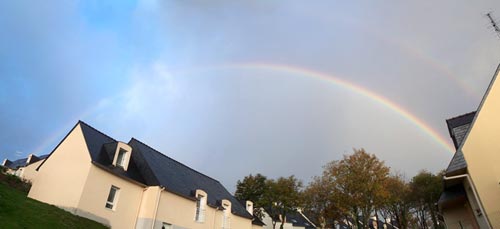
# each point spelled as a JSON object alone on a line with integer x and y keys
{"x": 69, "y": 180}
{"x": 61, "y": 178}
{"x": 180, "y": 212}
{"x": 29, "y": 172}
{"x": 95, "y": 193}
{"x": 482, "y": 152}
{"x": 460, "y": 217}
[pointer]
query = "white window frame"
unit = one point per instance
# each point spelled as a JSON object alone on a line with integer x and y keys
{"x": 226, "y": 214}
{"x": 121, "y": 157}
{"x": 111, "y": 204}
{"x": 199, "y": 215}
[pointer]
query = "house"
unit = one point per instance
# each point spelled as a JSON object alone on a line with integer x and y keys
{"x": 131, "y": 185}
{"x": 24, "y": 168}
{"x": 471, "y": 193}
{"x": 294, "y": 220}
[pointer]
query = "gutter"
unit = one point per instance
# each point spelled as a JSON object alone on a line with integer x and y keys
{"x": 140, "y": 205}
{"x": 157, "y": 205}
{"x": 474, "y": 193}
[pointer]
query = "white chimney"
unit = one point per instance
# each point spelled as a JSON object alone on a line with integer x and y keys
{"x": 29, "y": 158}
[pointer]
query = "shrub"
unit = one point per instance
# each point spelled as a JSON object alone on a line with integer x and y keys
{"x": 15, "y": 182}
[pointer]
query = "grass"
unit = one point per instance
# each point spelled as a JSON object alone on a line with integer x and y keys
{"x": 19, "y": 211}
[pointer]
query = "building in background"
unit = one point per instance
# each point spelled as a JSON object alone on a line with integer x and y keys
{"x": 24, "y": 168}
{"x": 294, "y": 220}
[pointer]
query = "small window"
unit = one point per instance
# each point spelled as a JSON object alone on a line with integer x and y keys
{"x": 120, "y": 160}
{"x": 200, "y": 208}
{"x": 112, "y": 198}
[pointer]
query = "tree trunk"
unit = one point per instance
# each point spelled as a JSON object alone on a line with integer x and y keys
{"x": 433, "y": 215}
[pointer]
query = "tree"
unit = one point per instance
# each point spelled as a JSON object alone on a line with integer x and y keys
{"x": 397, "y": 204}
{"x": 321, "y": 203}
{"x": 425, "y": 189}
{"x": 283, "y": 196}
{"x": 252, "y": 188}
{"x": 359, "y": 181}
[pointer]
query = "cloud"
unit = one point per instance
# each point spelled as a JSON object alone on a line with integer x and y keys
{"x": 150, "y": 87}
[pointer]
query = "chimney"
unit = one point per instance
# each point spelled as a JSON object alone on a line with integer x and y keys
{"x": 249, "y": 206}
{"x": 29, "y": 159}
{"x": 6, "y": 162}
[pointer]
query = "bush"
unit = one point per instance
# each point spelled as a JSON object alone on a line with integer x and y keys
{"x": 15, "y": 182}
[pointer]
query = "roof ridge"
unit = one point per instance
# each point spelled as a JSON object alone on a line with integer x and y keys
{"x": 82, "y": 122}
{"x": 462, "y": 115}
{"x": 173, "y": 159}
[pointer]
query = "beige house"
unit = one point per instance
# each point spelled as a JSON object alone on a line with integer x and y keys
{"x": 131, "y": 185}
{"x": 471, "y": 198}
{"x": 24, "y": 168}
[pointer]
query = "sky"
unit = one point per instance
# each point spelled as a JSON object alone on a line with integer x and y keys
{"x": 232, "y": 88}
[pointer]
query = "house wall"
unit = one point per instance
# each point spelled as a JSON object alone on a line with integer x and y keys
{"x": 61, "y": 178}
{"x": 460, "y": 217}
{"x": 95, "y": 193}
{"x": 180, "y": 212}
{"x": 29, "y": 172}
{"x": 481, "y": 151}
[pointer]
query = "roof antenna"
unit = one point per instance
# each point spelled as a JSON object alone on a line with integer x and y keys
{"x": 494, "y": 24}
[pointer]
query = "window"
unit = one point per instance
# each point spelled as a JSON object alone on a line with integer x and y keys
{"x": 226, "y": 218}
{"x": 120, "y": 160}
{"x": 112, "y": 197}
{"x": 200, "y": 208}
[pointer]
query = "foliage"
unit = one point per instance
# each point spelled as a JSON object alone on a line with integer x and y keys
{"x": 15, "y": 182}
{"x": 358, "y": 180}
{"x": 397, "y": 204}
{"x": 252, "y": 188}
{"x": 19, "y": 211}
{"x": 351, "y": 190}
{"x": 425, "y": 191}
{"x": 321, "y": 203}
{"x": 283, "y": 196}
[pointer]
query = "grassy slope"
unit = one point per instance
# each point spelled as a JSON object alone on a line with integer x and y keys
{"x": 19, "y": 211}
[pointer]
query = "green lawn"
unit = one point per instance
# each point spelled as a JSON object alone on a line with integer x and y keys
{"x": 19, "y": 211}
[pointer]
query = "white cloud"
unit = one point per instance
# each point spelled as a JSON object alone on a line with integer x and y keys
{"x": 150, "y": 87}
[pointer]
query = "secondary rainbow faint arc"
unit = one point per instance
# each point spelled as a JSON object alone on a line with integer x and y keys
{"x": 352, "y": 87}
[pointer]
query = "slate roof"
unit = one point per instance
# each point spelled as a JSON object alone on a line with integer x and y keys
{"x": 183, "y": 180}
{"x": 298, "y": 220}
{"x": 22, "y": 162}
{"x": 149, "y": 167}
{"x": 458, "y": 128}
{"x": 257, "y": 221}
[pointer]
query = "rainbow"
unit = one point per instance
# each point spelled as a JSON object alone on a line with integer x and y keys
{"x": 419, "y": 55}
{"x": 420, "y": 124}
{"x": 299, "y": 71}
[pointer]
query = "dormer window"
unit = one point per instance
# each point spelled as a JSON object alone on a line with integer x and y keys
{"x": 122, "y": 155}
{"x": 120, "y": 160}
{"x": 201, "y": 204}
{"x": 226, "y": 215}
